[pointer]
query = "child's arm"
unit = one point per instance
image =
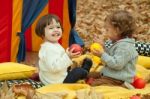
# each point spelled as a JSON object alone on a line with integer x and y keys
{"x": 99, "y": 39}
{"x": 56, "y": 61}
{"x": 118, "y": 60}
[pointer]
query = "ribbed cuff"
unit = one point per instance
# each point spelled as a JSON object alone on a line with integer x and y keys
{"x": 104, "y": 56}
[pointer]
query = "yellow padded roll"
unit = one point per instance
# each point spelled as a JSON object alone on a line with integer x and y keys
{"x": 144, "y": 61}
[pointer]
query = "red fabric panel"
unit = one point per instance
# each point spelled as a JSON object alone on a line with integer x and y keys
{"x": 28, "y": 39}
{"x": 5, "y": 29}
{"x": 56, "y": 7}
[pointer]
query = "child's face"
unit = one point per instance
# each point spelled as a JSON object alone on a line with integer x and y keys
{"x": 53, "y": 32}
{"x": 111, "y": 31}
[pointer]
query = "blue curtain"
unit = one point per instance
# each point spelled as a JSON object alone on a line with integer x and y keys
{"x": 74, "y": 37}
{"x": 31, "y": 9}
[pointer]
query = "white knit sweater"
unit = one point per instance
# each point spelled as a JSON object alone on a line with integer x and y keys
{"x": 53, "y": 63}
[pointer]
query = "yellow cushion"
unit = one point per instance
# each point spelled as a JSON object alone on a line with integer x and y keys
{"x": 119, "y": 92}
{"x": 10, "y": 70}
{"x": 108, "y": 92}
{"x": 144, "y": 61}
{"x": 70, "y": 89}
{"x": 143, "y": 72}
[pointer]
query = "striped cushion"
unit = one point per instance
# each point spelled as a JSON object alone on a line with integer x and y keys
{"x": 35, "y": 84}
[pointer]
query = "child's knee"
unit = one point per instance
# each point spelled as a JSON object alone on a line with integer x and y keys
{"x": 80, "y": 72}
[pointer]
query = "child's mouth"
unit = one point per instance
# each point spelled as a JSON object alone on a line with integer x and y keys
{"x": 56, "y": 35}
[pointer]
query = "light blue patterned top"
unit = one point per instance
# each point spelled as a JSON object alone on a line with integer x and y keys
{"x": 120, "y": 60}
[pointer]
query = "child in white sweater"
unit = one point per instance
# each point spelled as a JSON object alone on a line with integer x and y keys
{"x": 53, "y": 59}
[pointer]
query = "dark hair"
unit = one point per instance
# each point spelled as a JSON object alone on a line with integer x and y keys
{"x": 43, "y": 22}
{"x": 124, "y": 21}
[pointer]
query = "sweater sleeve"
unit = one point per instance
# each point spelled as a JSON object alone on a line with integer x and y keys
{"x": 120, "y": 58}
{"x": 56, "y": 61}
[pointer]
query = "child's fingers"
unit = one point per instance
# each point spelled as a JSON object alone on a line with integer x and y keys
{"x": 67, "y": 50}
{"x": 94, "y": 35}
{"x": 96, "y": 52}
{"x": 77, "y": 54}
{"x": 71, "y": 50}
{"x": 96, "y": 39}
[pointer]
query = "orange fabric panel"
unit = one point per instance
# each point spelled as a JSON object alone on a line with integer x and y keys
{"x": 66, "y": 25}
{"x": 16, "y": 27}
{"x": 36, "y": 41}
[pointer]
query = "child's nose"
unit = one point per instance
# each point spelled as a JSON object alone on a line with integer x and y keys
{"x": 55, "y": 28}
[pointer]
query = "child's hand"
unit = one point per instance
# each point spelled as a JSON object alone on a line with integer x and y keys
{"x": 99, "y": 39}
{"x": 71, "y": 54}
{"x": 97, "y": 52}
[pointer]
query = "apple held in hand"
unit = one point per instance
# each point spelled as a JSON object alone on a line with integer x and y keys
{"x": 76, "y": 48}
{"x": 96, "y": 46}
{"x": 139, "y": 83}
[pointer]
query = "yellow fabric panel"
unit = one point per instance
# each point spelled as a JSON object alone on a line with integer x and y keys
{"x": 144, "y": 61}
{"x": 66, "y": 25}
{"x": 16, "y": 27}
{"x": 36, "y": 41}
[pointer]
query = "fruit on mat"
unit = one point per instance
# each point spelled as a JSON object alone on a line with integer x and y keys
{"x": 138, "y": 83}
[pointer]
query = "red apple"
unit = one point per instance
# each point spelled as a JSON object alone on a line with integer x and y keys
{"x": 76, "y": 47}
{"x": 135, "y": 97}
{"x": 139, "y": 83}
{"x": 89, "y": 80}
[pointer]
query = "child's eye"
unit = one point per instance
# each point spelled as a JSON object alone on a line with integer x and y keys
{"x": 51, "y": 28}
{"x": 58, "y": 27}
